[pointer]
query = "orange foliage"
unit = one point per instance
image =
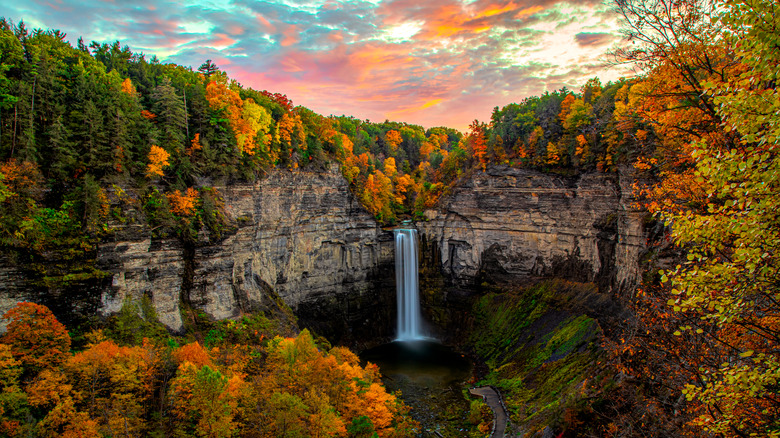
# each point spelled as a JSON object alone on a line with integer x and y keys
{"x": 128, "y": 87}
{"x": 393, "y": 139}
{"x": 36, "y": 338}
{"x": 49, "y": 388}
{"x": 19, "y": 177}
{"x": 64, "y": 421}
{"x": 377, "y": 405}
{"x": 291, "y": 131}
{"x": 183, "y": 204}
{"x": 246, "y": 118}
{"x": 109, "y": 378}
{"x": 425, "y": 150}
{"x": 148, "y": 115}
{"x": 158, "y": 160}
{"x": 194, "y": 145}
{"x": 582, "y": 145}
{"x": 193, "y": 353}
{"x": 477, "y": 143}
{"x": 402, "y": 185}
{"x": 566, "y": 107}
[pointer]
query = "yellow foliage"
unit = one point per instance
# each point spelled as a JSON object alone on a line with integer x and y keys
{"x": 128, "y": 87}
{"x": 393, "y": 139}
{"x": 158, "y": 160}
{"x": 390, "y": 168}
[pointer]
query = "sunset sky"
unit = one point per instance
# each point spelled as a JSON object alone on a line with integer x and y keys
{"x": 427, "y": 62}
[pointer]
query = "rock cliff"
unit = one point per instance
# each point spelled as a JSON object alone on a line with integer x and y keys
{"x": 508, "y": 224}
{"x": 300, "y": 234}
{"x": 303, "y": 238}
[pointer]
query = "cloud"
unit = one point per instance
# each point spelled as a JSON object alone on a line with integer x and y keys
{"x": 593, "y": 38}
{"x": 432, "y": 62}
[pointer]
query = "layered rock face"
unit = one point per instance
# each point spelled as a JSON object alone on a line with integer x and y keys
{"x": 301, "y": 234}
{"x": 508, "y": 224}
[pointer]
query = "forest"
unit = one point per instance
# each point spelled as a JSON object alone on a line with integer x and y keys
{"x": 97, "y": 133}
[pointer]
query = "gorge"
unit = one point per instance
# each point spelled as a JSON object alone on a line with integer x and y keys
{"x": 300, "y": 240}
{"x": 304, "y": 236}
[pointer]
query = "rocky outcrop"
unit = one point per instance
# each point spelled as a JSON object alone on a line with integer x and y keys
{"x": 300, "y": 234}
{"x": 507, "y": 224}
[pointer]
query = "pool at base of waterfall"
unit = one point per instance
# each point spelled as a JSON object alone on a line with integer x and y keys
{"x": 431, "y": 377}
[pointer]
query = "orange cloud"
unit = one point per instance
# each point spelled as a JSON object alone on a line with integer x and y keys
{"x": 492, "y": 10}
{"x": 270, "y": 28}
{"x": 528, "y": 11}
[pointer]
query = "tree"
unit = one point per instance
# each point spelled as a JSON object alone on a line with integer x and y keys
{"x": 36, "y": 338}
{"x": 730, "y": 279}
{"x": 112, "y": 383}
{"x": 171, "y": 115}
{"x": 393, "y": 140}
{"x": 719, "y": 308}
{"x": 183, "y": 204}
{"x": 205, "y": 400}
{"x": 208, "y": 68}
{"x": 158, "y": 160}
{"x": 477, "y": 143}
{"x": 13, "y": 401}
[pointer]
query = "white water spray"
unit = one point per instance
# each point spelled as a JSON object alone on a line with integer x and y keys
{"x": 406, "y": 285}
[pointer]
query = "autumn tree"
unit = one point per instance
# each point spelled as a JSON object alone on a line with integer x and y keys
{"x": 729, "y": 281}
{"x": 158, "y": 160}
{"x": 717, "y": 309}
{"x": 477, "y": 143}
{"x": 35, "y": 336}
{"x": 13, "y": 401}
{"x": 112, "y": 384}
{"x": 183, "y": 204}
{"x": 393, "y": 140}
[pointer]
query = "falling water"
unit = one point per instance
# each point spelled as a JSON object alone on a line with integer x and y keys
{"x": 406, "y": 285}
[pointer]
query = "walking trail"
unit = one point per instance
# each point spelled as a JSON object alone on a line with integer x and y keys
{"x": 492, "y": 399}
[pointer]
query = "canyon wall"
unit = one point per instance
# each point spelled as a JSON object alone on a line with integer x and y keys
{"x": 509, "y": 224}
{"x": 303, "y": 238}
{"x": 300, "y": 234}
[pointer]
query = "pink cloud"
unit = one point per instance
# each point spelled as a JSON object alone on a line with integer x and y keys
{"x": 290, "y": 35}
{"x": 222, "y": 40}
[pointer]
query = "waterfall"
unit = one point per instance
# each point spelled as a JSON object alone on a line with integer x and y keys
{"x": 406, "y": 285}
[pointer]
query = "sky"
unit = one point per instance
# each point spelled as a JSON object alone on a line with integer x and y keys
{"x": 424, "y": 62}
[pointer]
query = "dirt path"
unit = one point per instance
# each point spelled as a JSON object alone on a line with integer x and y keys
{"x": 492, "y": 399}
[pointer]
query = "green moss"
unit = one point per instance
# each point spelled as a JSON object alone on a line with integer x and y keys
{"x": 534, "y": 361}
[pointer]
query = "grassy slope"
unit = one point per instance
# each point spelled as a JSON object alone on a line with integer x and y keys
{"x": 540, "y": 348}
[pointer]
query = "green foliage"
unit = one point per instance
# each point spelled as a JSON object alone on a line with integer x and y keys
{"x": 135, "y": 321}
{"x": 361, "y": 427}
{"x": 250, "y": 329}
